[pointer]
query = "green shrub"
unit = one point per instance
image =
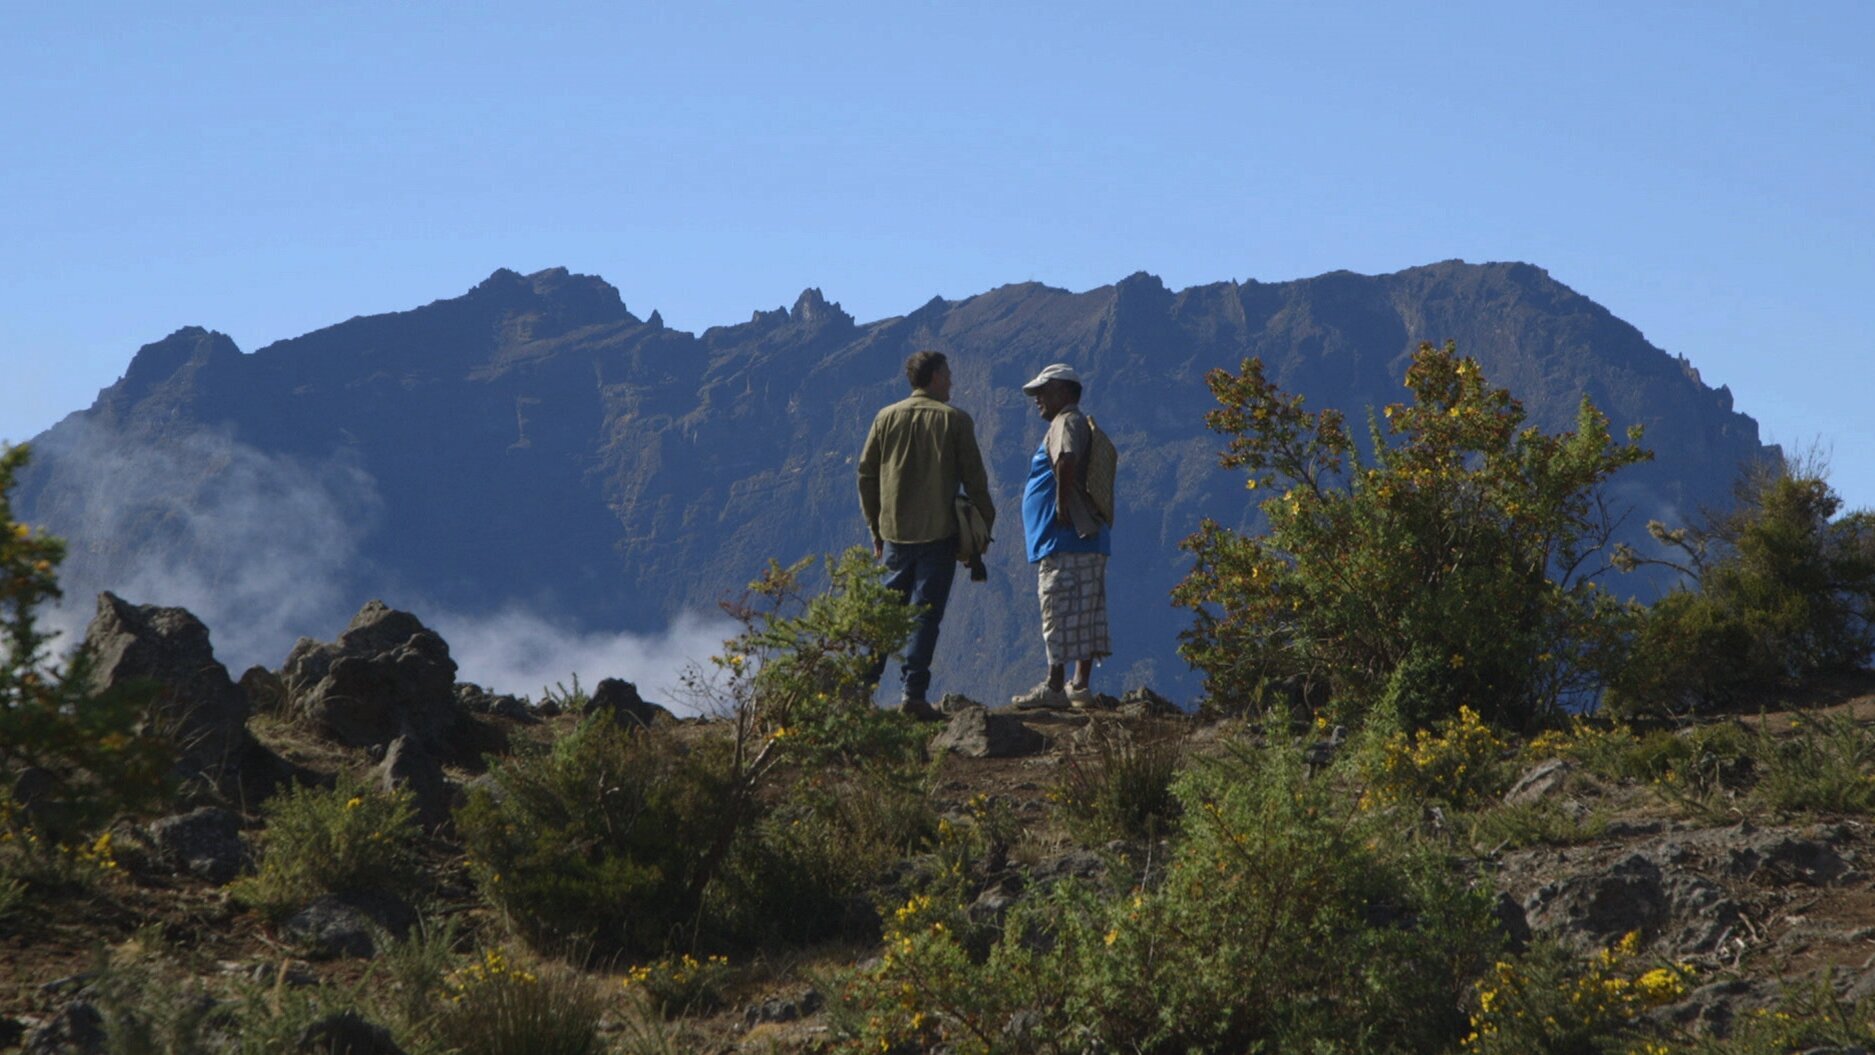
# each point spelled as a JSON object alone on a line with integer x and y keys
{"x": 1541, "y": 823}
{"x": 1447, "y": 566}
{"x": 1783, "y": 590}
{"x": 1696, "y": 764}
{"x": 802, "y": 668}
{"x": 1823, "y": 763}
{"x": 799, "y": 872}
{"x": 87, "y": 754}
{"x": 1809, "y": 1017}
{"x": 601, "y": 844}
{"x": 495, "y": 1006}
{"x": 343, "y": 839}
{"x": 1287, "y": 920}
{"x": 1123, "y": 791}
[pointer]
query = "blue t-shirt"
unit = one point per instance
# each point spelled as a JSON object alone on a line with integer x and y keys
{"x": 1044, "y": 533}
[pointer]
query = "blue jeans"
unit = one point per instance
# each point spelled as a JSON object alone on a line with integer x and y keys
{"x": 920, "y": 573}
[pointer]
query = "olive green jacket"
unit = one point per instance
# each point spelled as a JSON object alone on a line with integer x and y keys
{"x": 917, "y": 454}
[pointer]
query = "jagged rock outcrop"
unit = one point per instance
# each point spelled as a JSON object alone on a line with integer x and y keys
{"x": 196, "y": 703}
{"x": 533, "y": 444}
{"x": 387, "y": 676}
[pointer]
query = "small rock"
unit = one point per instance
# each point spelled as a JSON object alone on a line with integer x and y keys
{"x": 957, "y": 703}
{"x": 348, "y": 925}
{"x": 78, "y": 1029}
{"x": 205, "y": 843}
{"x": 1539, "y": 782}
{"x": 779, "y": 1009}
{"x": 1144, "y": 703}
{"x": 346, "y": 1033}
{"x": 477, "y": 700}
{"x": 408, "y": 766}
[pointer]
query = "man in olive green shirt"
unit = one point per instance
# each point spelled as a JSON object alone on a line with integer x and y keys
{"x": 919, "y": 451}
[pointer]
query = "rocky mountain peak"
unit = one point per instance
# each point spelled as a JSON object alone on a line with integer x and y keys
{"x": 189, "y": 349}
{"x": 812, "y": 308}
{"x": 573, "y": 299}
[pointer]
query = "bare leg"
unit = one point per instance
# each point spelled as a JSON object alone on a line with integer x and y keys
{"x": 1056, "y": 675}
{"x": 1083, "y": 672}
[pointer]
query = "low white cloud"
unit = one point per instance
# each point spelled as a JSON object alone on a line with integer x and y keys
{"x": 516, "y": 651}
{"x": 265, "y": 549}
{"x": 254, "y": 545}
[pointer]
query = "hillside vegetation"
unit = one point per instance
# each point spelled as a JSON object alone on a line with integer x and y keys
{"x": 1398, "y": 823}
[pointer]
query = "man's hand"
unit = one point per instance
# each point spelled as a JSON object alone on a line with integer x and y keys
{"x": 878, "y": 549}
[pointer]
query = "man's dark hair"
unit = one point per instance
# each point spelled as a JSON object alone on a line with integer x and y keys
{"x": 923, "y": 366}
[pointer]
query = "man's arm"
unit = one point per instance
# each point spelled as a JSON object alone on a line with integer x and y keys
{"x": 1067, "y": 476}
{"x": 1068, "y": 439}
{"x": 971, "y": 474}
{"x": 869, "y": 487}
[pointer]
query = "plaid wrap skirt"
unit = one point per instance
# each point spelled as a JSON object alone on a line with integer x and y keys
{"x": 1073, "y": 589}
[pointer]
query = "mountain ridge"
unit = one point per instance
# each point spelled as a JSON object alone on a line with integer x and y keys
{"x": 532, "y": 442}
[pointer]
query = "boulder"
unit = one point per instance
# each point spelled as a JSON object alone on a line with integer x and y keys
{"x": 620, "y": 701}
{"x": 1782, "y": 859}
{"x": 1679, "y": 911}
{"x": 387, "y": 676}
{"x": 1586, "y": 912}
{"x": 407, "y": 765}
{"x": 977, "y": 733}
{"x": 196, "y": 702}
{"x": 205, "y": 843}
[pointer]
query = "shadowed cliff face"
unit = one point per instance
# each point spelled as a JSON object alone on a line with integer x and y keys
{"x": 533, "y": 446}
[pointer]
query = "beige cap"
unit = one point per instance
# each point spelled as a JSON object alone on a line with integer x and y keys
{"x": 1053, "y": 372}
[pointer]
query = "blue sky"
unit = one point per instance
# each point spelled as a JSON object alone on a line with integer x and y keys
{"x": 1702, "y": 169}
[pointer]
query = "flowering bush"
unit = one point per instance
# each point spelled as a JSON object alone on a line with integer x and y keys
{"x": 1287, "y": 919}
{"x": 1461, "y": 764}
{"x": 1550, "y": 1003}
{"x": 681, "y": 985}
{"x": 1449, "y": 564}
{"x": 495, "y": 1006}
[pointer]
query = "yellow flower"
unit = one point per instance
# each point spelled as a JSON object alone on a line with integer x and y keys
{"x": 354, "y": 802}
{"x": 1112, "y": 936}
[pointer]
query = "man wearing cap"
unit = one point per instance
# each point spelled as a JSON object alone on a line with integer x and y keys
{"x": 1067, "y": 542}
{"x": 919, "y": 451}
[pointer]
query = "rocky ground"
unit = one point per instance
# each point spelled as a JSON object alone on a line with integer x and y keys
{"x": 1755, "y": 903}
